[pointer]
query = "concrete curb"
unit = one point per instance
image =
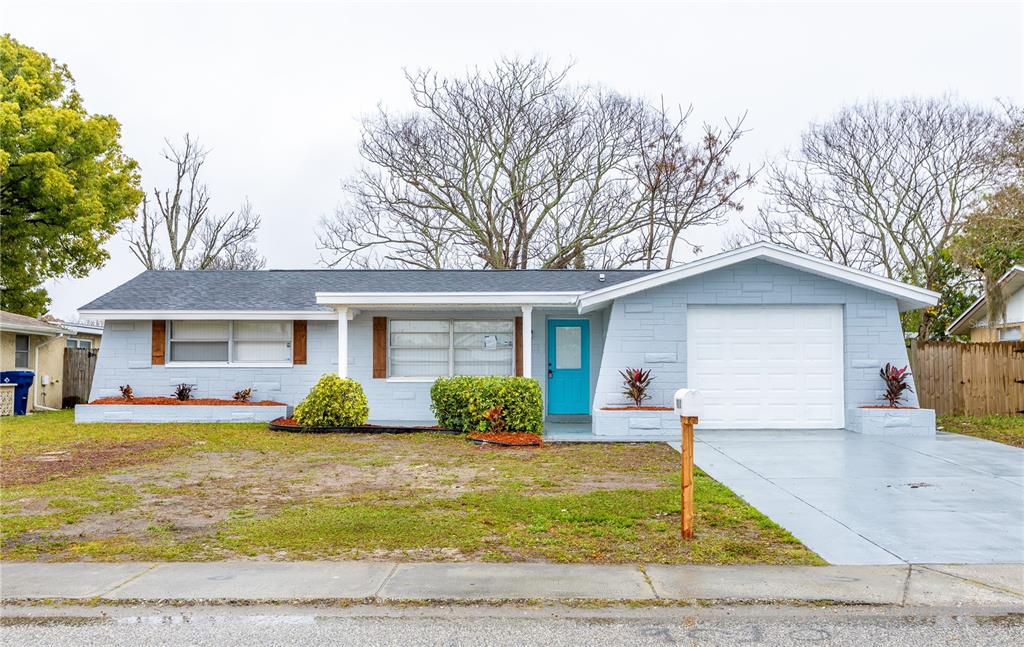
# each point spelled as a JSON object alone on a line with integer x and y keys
{"x": 193, "y": 582}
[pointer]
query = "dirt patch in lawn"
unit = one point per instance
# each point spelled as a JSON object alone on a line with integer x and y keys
{"x": 193, "y": 496}
{"x": 131, "y": 493}
{"x": 79, "y": 459}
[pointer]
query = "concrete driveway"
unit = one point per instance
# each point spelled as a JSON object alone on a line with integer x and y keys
{"x": 857, "y": 499}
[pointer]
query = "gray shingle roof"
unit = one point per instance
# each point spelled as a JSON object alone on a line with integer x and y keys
{"x": 295, "y": 289}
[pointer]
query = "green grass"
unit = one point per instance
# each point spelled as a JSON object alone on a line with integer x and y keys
{"x": 1008, "y": 430}
{"x": 242, "y": 491}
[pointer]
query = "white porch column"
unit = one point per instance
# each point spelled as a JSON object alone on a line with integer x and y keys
{"x": 527, "y": 341}
{"x": 343, "y": 341}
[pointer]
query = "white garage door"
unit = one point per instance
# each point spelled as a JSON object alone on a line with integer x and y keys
{"x": 767, "y": 367}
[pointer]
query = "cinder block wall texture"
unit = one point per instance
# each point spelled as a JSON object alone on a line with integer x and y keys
{"x": 648, "y": 329}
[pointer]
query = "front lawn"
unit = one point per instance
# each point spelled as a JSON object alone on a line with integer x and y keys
{"x": 1008, "y": 430}
{"x": 230, "y": 491}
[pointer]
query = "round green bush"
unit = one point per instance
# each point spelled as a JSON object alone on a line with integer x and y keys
{"x": 333, "y": 402}
{"x": 463, "y": 403}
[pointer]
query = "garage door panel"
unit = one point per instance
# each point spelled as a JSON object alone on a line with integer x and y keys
{"x": 774, "y": 366}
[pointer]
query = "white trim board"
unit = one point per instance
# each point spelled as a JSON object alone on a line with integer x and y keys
{"x": 293, "y": 315}
{"x": 909, "y": 297}
{"x": 365, "y": 299}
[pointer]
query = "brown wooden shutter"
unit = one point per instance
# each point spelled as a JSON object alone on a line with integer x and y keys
{"x": 159, "y": 342}
{"x": 519, "y": 345}
{"x": 298, "y": 342}
{"x": 380, "y": 347}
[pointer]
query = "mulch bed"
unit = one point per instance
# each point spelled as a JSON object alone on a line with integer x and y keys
{"x": 636, "y": 408}
{"x": 291, "y": 424}
{"x": 508, "y": 439}
{"x": 883, "y": 406}
{"x": 193, "y": 402}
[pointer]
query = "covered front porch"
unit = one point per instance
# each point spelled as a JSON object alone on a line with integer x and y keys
{"x": 397, "y": 345}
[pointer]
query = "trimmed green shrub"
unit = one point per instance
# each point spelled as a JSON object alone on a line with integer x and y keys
{"x": 333, "y": 402}
{"x": 463, "y": 403}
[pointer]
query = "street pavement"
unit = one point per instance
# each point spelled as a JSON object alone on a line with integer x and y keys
{"x": 508, "y": 625}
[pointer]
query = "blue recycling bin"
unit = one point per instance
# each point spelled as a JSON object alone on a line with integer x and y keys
{"x": 21, "y": 381}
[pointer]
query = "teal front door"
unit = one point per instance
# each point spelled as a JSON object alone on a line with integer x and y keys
{"x": 568, "y": 366}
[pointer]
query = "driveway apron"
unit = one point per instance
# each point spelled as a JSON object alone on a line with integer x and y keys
{"x": 858, "y": 499}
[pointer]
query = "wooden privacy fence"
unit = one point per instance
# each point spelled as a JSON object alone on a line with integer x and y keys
{"x": 969, "y": 379}
{"x": 79, "y": 365}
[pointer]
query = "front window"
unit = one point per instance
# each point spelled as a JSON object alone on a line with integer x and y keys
{"x": 230, "y": 342}
{"x": 21, "y": 351}
{"x": 430, "y": 348}
{"x": 1010, "y": 334}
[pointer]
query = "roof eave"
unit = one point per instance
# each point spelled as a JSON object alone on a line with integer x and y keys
{"x": 367, "y": 299}
{"x": 962, "y": 324}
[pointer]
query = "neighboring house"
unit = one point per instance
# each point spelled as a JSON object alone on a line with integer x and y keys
{"x": 974, "y": 321}
{"x": 773, "y": 338}
{"x": 85, "y": 334}
{"x": 28, "y": 344}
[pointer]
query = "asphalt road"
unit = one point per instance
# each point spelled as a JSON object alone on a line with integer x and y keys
{"x": 306, "y": 627}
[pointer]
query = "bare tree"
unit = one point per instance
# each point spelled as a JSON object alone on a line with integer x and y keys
{"x": 507, "y": 169}
{"x": 682, "y": 185}
{"x": 182, "y": 223}
{"x": 883, "y": 187}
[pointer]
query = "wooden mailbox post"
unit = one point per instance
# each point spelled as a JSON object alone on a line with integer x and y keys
{"x": 689, "y": 404}
{"x": 686, "y": 455}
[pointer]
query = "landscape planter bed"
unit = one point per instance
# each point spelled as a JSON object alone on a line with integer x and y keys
{"x": 194, "y": 402}
{"x": 508, "y": 439}
{"x": 144, "y": 410}
{"x": 624, "y": 421}
{"x": 290, "y": 424}
{"x": 874, "y": 420}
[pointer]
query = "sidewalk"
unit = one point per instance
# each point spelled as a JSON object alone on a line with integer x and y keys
{"x": 195, "y": 582}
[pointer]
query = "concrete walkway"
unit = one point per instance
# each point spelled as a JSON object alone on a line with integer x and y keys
{"x": 857, "y": 499}
{"x": 985, "y": 585}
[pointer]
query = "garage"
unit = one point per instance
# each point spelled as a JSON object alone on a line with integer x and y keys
{"x": 767, "y": 366}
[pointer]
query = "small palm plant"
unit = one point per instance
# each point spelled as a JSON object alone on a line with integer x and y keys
{"x": 127, "y": 392}
{"x": 635, "y": 384}
{"x": 184, "y": 391}
{"x": 896, "y": 385}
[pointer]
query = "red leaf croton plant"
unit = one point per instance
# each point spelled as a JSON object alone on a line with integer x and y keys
{"x": 635, "y": 384}
{"x": 896, "y": 385}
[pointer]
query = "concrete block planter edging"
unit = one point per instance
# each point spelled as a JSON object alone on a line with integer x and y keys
{"x": 635, "y": 422}
{"x": 875, "y": 421}
{"x": 146, "y": 413}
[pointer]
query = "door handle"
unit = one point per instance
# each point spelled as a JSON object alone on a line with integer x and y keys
{"x": 550, "y": 372}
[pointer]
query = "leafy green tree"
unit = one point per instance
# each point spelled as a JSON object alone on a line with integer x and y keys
{"x": 65, "y": 183}
{"x": 959, "y": 290}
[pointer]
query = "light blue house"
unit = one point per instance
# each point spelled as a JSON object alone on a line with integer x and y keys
{"x": 773, "y": 338}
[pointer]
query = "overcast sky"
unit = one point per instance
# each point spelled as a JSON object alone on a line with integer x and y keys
{"x": 276, "y": 90}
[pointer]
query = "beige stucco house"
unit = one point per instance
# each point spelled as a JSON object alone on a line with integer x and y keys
{"x": 28, "y": 344}
{"x": 974, "y": 321}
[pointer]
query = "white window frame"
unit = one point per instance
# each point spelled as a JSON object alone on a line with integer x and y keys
{"x": 27, "y": 352}
{"x": 451, "y": 345}
{"x": 78, "y": 343}
{"x": 1005, "y": 332}
{"x": 230, "y": 363}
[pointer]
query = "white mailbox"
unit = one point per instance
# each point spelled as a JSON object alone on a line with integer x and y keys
{"x": 689, "y": 402}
